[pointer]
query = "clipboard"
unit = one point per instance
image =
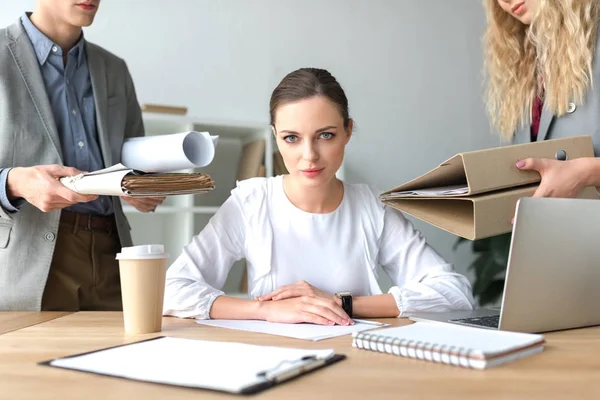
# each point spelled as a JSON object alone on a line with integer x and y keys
{"x": 213, "y": 368}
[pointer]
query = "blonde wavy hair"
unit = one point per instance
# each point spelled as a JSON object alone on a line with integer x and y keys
{"x": 556, "y": 49}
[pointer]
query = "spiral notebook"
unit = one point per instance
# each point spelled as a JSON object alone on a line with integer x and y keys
{"x": 449, "y": 344}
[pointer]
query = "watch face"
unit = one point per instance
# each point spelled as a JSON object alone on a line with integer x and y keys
{"x": 340, "y": 294}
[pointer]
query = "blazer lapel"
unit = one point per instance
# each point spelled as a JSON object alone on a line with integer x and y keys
{"x": 97, "y": 69}
{"x": 24, "y": 56}
{"x": 545, "y": 121}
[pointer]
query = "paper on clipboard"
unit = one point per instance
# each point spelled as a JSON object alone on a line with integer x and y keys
{"x": 222, "y": 366}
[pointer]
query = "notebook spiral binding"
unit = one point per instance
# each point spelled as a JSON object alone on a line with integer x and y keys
{"x": 428, "y": 351}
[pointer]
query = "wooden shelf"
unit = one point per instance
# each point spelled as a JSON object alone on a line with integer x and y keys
{"x": 160, "y": 124}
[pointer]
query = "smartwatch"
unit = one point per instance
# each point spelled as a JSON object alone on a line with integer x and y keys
{"x": 346, "y": 298}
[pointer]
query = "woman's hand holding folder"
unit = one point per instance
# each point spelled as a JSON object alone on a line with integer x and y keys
{"x": 564, "y": 179}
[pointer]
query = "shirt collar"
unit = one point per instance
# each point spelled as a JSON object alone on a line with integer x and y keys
{"x": 43, "y": 46}
{"x": 79, "y": 50}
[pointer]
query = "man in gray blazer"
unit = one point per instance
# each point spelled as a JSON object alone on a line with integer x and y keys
{"x": 66, "y": 106}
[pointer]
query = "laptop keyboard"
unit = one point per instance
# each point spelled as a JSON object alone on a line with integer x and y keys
{"x": 489, "y": 321}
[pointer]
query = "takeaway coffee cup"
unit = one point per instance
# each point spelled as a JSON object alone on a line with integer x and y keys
{"x": 143, "y": 270}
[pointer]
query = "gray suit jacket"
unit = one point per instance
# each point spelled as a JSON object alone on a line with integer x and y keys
{"x": 583, "y": 120}
{"x": 28, "y": 136}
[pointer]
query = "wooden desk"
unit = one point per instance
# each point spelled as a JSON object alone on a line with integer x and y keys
{"x": 569, "y": 367}
{"x": 13, "y": 320}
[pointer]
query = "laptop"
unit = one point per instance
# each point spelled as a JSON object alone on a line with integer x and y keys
{"x": 553, "y": 272}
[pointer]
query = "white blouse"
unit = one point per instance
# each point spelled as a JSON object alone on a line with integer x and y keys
{"x": 335, "y": 252}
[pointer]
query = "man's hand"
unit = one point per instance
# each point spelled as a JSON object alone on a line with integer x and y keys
{"x": 144, "y": 204}
{"x": 40, "y": 187}
{"x": 559, "y": 178}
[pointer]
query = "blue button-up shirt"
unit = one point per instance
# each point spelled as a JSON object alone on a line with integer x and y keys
{"x": 69, "y": 90}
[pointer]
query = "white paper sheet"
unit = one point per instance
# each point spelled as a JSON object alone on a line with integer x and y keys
{"x": 296, "y": 331}
{"x": 168, "y": 153}
{"x": 105, "y": 182}
{"x": 435, "y": 191}
{"x": 188, "y": 362}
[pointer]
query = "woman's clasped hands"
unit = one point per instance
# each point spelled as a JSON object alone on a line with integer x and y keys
{"x": 302, "y": 302}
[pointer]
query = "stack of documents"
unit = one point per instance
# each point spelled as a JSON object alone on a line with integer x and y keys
{"x": 166, "y": 184}
{"x": 119, "y": 180}
{"x": 148, "y": 165}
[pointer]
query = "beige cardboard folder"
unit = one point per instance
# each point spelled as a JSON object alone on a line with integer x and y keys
{"x": 486, "y": 185}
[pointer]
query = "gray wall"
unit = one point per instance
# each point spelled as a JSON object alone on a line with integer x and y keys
{"x": 411, "y": 69}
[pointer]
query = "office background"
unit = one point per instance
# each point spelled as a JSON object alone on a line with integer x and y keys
{"x": 411, "y": 70}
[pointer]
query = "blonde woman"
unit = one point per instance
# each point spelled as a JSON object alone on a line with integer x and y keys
{"x": 542, "y": 76}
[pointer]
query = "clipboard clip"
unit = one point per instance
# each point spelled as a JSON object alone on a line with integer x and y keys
{"x": 290, "y": 368}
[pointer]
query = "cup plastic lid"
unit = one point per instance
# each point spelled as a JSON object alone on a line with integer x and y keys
{"x": 146, "y": 251}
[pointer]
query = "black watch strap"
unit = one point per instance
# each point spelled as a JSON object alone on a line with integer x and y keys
{"x": 346, "y": 299}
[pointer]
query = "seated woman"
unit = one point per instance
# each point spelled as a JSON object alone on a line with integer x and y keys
{"x": 307, "y": 236}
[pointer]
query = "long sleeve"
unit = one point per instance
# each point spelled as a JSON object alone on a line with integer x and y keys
{"x": 425, "y": 282}
{"x": 196, "y": 278}
{"x": 6, "y": 204}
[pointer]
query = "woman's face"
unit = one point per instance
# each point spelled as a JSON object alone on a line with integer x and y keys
{"x": 520, "y": 9}
{"x": 311, "y": 137}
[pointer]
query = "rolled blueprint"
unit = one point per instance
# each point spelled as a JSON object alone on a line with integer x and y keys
{"x": 166, "y": 153}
